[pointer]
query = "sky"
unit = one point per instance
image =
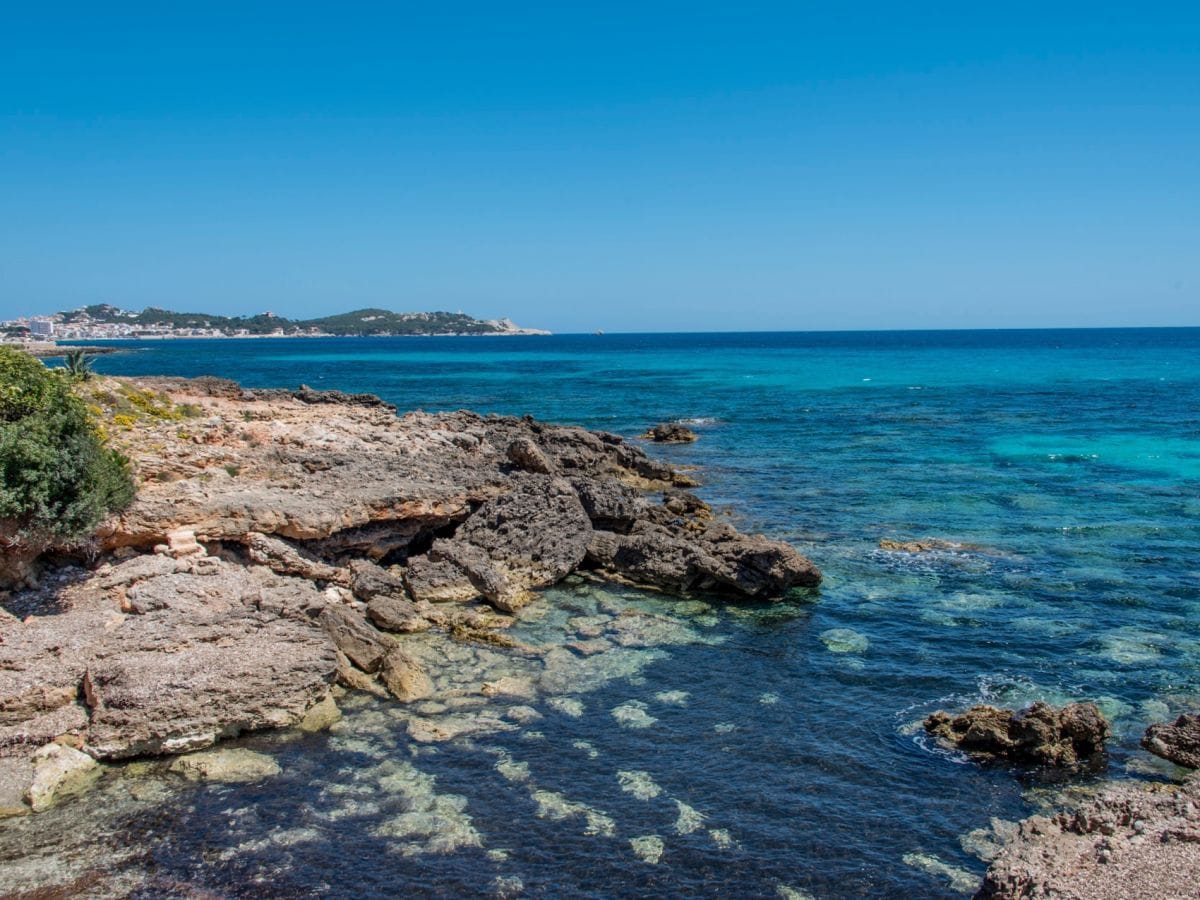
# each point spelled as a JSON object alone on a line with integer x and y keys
{"x": 627, "y": 167}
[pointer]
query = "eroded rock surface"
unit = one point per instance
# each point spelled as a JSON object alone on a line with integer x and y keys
{"x": 1178, "y": 742}
{"x": 1039, "y": 735}
{"x": 1133, "y": 842}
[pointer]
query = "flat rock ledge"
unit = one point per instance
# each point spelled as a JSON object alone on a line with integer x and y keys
{"x": 283, "y": 542}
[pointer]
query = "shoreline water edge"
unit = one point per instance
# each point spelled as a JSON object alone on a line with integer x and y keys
{"x": 293, "y": 551}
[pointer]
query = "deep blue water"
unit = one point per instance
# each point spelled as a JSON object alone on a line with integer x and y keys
{"x": 1071, "y": 458}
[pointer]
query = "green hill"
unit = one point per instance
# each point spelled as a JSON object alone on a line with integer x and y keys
{"x": 358, "y": 322}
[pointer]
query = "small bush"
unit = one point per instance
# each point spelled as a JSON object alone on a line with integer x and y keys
{"x": 57, "y": 479}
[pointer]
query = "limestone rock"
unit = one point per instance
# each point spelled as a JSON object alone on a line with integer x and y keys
{"x": 368, "y": 581}
{"x": 396, "y": 614}
{"x": 1131, "y": 841}
{"x": 59, "y": 771}
{"x": 349, "y": 676}
{"x": 438, "y": 582}
{"x": 404, "y": 676}
{"x": 610, "y": 505}
{"x": 525, "y": 454}
{"x": 320, "y": 715}
{"x": 1178, "y": 742}
{"x": 531, "y": 537}
{"x": 353, "y": 636}
{"x": 234, "y": 764}
{"x": 183, "y": 543}
{"x": 282, "y": 557}
{"x": 1039, "y": 735}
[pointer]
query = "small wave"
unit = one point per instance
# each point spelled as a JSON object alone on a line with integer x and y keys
{"x": 700, "y": 421}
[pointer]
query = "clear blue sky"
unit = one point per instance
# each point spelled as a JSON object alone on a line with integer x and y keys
{"x": 643, "y": 166}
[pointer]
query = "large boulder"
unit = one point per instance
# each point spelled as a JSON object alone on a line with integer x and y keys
{"x": 1039, "y": 735}
{"x": 1178, "y": 742}
{"x": 531, "y": 537}
{"x": 169, "y": 686}
{"x": 681, "y": 558}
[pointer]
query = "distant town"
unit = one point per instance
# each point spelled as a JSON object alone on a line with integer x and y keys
{"x": 104, "y": 322}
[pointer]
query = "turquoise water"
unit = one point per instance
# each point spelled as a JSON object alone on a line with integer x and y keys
{"x": 1069, "y": 461}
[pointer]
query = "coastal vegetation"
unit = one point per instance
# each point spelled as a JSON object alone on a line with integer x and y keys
{"x": 58, "y": 478}
{"x": 78, "y": 365}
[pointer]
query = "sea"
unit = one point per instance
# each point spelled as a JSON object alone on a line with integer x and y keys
{"x": 762, "y": 750}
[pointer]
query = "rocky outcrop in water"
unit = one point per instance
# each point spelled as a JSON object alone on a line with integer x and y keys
{"x": 1039, "y": 735}
{"x": 1132, "y": 841}
{"x": 670, "y": 433}
{"x": 282, "y": 542}
{"x": 1178, "y": 742}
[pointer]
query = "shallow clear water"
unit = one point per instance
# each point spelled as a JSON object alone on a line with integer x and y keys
{"x": 1069, "y": 460}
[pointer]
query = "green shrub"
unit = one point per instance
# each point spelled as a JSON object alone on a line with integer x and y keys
{"x": 57, "y": 479}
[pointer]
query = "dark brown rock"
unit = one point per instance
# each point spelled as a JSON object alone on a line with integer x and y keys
{"x": 1039, "y": 735}
{"x": 670, "y": 433}
{"x": 689, "y": 555}
{"x": 1178, "y": 742}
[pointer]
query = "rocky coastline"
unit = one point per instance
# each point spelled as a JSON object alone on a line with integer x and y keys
{"x": 291, "y": 550}
{"x": 288, "y": 545}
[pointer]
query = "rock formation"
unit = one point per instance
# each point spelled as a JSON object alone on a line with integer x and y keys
{"x": 1039, "y": 735}
{"x": 670, "y": 433}
{"x": 1132, "y": 841}
{"x": 284, "y": 541}
{"x": 1178, "y": 742}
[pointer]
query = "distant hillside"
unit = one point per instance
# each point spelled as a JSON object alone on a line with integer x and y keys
{"x": 358, "y": 322}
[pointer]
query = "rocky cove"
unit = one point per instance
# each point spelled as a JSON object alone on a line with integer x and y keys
{"x": 310, "y": 562}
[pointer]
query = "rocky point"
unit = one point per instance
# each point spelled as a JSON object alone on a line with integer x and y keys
{"x": 285, "y": 541}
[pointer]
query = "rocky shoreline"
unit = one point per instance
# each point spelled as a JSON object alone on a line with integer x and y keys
{"x": 283, "y": 542}
{"x": 289, "y": 549}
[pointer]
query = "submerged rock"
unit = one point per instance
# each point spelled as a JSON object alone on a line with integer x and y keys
{"x": 1178, "y": 742}
{"x": 1038, "y": 735}
{"x": 648, "y": 848}
{"x": 404, "y": 676}
{"x": 226, "y": 765}
{"x": 844, "y": 640}
{"x": 59, "y": 771}
{"x": 925, "y": 545}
